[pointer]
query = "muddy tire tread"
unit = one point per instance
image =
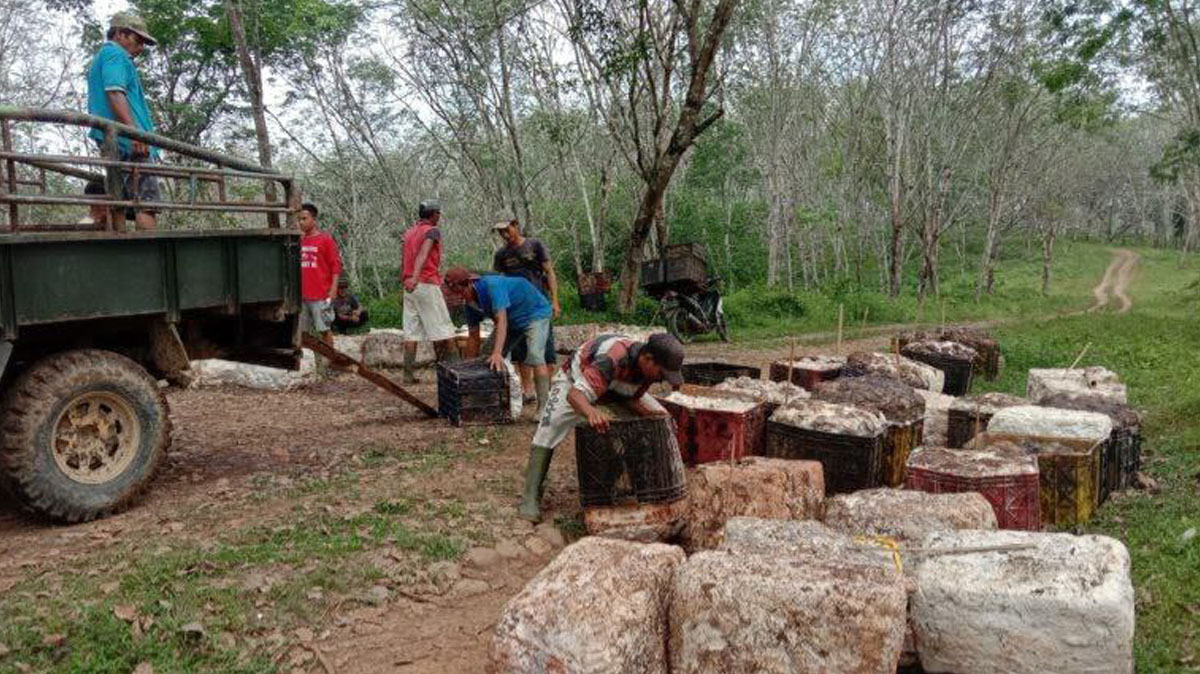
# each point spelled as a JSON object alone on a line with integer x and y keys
{"x": 32, "y": 397}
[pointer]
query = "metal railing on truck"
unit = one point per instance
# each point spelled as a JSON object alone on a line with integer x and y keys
{"x": 222, "y": 167}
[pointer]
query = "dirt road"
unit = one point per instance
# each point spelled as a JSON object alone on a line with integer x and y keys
{"x": 1116, "y": 281}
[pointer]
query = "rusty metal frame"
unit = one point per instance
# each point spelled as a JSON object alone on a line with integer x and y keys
{"x": 224, "y": 167}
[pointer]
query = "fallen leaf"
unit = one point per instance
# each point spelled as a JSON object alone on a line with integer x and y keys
{"x": 144, "y": 668}
{"x": 126, "y": 612}
{"x": 54, "y": 640}
{"x": 110, "y": 587}
{"x": 193, "y": 629}
{"x": 3, "y": 650}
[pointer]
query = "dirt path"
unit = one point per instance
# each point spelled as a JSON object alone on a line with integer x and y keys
{"x": 1116, "y": 281}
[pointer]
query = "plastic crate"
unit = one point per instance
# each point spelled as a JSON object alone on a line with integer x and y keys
{"x": 681, "y": 250}
{"x": 471, "y": 393}
{"x": 1068, "y": 475}
{"x": 899, "y": 440}
{"x": 962, "y": 426}
{"x": 595, "y": 282}
{"x": 805, "y": 378}
{"x": 849, "y": 463}
{"x": 654, "y": 273}
{"x": 594, "y": 301}
{"x": 1014, "y": 499}
{"x": 636, "y": 462}
{"x": 711, "y": 374}
{"x": 959, "y": 372}
{"x": 987, "y": 361}
{"x": 707, "y": 435}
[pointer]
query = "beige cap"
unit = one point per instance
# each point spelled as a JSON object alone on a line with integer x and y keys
{"x": 135, "y": 23}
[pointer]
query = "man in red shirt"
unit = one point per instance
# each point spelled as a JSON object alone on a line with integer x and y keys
{"x": 320, "y": 267}
{"x": 426, "y": 317}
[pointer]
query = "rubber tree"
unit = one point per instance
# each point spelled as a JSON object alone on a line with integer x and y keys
{"x": 634, "y": 51}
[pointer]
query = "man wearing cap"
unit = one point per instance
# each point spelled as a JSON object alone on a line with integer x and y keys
{"x": 115, "y": 92}
{"x": 527, "y": 258}
{"x": 426, "y": 317}
{"x": 607, "y": 368}
{"x": 520, "y": 315}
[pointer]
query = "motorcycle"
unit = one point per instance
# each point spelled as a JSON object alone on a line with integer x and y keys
{"x": 695, "y": 312}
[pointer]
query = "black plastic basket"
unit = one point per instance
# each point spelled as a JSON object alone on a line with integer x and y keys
{"x": 471, "y": 393}
{"x": 594, "y": 301}
{"x": 636, "y": 461}
{"x": 711, "y": 374}
{"x": 850, "y": 463}
{"x": 962, "y": 425}
{"x": 958, "y": 371}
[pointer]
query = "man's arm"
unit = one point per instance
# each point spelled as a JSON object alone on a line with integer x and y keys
{"x": 473, "y": 341}
{"x": 552, "y": 282}
{"x": 124, "y": 115}
{"x": 499, "y": 334}
{"x": 579, "y": 402}
{"x": 410, "y": 281}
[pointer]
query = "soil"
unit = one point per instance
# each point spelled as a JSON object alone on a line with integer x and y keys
{"x": 1116, "y": 281}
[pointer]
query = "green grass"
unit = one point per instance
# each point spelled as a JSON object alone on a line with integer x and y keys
{"x": 1154, "y": 348}
{"x": 172, "y": 587}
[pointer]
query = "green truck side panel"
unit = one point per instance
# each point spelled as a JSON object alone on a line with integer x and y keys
{"x": 53, "y": 278}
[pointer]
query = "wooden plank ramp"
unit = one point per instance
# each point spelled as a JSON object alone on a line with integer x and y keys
{"x": 342, "y": 360}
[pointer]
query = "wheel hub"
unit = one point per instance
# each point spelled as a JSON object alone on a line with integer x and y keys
{"x": 95, "y": 437}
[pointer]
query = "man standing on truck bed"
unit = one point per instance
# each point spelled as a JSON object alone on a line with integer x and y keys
{"x": 604, "y": 369}
{"x": 320, "y": 267}
{"x": 115, "y": 92}
{"x": 527, "y": 258}
{"x": 426, "y": 316}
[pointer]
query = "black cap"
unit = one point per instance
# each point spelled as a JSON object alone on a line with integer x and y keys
{"x": 428, "y": 207}
{"x": 668, "y": 353}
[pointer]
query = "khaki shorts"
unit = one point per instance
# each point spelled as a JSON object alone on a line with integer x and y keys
{"x": 559, "y": 417}
{"x": 426, "y": 318}
{"x": 316, "y": 315}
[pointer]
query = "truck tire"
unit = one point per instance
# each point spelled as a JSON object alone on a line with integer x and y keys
{"x": 82, "y": 434}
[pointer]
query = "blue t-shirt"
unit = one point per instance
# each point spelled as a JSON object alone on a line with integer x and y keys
{"x": 523, "y": 302}
{"x": 113, "y": 70}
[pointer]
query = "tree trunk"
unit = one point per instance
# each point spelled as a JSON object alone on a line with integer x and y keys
{"x": 1047, "y": 256}
{"x": 252, "y": 73}
{"x": 649, "y": 207}
{"x": 931, "y": 241}
{"x": 986, "y": 273}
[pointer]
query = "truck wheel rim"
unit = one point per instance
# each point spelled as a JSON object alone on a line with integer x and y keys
{"x": 96, "y": 437}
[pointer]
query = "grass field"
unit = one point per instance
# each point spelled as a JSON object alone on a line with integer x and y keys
{"x": 1155, "y": 349}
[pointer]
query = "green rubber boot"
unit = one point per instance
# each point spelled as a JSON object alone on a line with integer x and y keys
{"x": 535, "y": 479}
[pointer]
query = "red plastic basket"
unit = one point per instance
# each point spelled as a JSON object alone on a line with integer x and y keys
{"x": 706, "y": 436}
{"x": 1014, "y": 498}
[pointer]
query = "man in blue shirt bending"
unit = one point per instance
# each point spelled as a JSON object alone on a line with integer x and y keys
{"x": 115, "y": 92}
{"x": 521, "y": 317}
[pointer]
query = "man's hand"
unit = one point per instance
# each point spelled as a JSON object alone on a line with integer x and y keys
{"x": 410, "y": 284}
{"x": 557, "y": 310}
{"x": 496, "y": 361}
{"x": 597, "y": 420}
{"x": 140, "y": 150}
